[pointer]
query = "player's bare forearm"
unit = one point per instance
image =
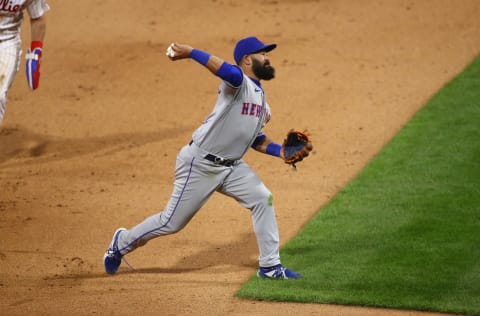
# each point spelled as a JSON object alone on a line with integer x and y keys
{"x": 262, "y": 146}
{"x": 214, "y": 64}
{"x": 38, "y": 29}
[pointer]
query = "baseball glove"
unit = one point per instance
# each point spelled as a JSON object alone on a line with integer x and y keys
{"x": 296, "y": 146}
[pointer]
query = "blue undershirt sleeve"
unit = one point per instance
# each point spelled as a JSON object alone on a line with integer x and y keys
{"x": 258, "y": 140}
{"x": 231, "y": 74}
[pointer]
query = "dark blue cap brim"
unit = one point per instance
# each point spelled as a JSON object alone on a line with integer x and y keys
{"x": 266, "y": 48}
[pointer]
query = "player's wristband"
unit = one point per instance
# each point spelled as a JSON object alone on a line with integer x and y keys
{"x": 199, "y": 56}
{"x": 36, "y": 44}
{"x": 274, "y": 149}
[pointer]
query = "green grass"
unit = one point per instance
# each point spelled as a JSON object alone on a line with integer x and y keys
{"x": 406, "y": 232}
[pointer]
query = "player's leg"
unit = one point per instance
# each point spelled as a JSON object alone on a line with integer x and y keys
{"x": 195, "y": 182}
{"x": 245, "y": 186}
{"x": 3, "y": 104}
{"x": 10, "y": 53}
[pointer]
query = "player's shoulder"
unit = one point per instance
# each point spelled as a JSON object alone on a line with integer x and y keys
{"x": 232, "y": 76}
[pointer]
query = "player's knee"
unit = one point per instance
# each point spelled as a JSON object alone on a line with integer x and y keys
{"x": 264, "y": 197}
{"x": 174, "y": 227}
{"x": 259, "y": 197}
{"x": 171, "y": 229}
{"x": 270, "y": 200}
{"x": 267, "y": 196}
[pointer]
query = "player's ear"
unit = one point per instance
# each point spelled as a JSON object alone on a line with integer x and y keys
{"x": 246, "y": 60}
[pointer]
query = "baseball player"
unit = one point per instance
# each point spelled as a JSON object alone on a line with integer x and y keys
{"x": 11, "y": 17}
{"x": 212, "y": 160}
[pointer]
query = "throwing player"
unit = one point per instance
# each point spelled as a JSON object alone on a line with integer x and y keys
{"x": 11, "y": 17}
{"x": 212, "y": 160}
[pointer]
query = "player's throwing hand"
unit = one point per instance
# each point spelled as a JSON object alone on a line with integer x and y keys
{"x": 178, "y": 51}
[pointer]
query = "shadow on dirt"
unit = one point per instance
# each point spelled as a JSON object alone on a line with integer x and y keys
{"x": 223, "y": 258}
{"x": 19, "y": 146}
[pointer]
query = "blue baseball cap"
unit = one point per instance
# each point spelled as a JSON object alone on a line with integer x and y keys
{"x": 250, "y": 45}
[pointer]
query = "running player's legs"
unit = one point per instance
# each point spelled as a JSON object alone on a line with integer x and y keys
{"x": 195, "y": 182}
{"x": 9, "y": 62}
{"x": 10, "y": 53}
{"x": 245, "y": 186}
{"x": 3, "y": 104}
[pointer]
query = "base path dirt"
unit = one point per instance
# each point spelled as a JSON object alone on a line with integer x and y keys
{"x": 94, "y": 148}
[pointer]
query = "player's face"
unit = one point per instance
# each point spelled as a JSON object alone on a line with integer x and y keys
{"x": 261, "y": 66}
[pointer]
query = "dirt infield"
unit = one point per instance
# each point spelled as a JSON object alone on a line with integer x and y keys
{"x": 94, "y": 148}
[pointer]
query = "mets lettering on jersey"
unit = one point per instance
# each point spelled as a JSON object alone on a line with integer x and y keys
{"x": 251, "y": 109}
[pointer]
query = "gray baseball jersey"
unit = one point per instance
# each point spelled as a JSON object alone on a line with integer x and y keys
{"x": 212, "y": 162}
{"x": 237, "y": 118}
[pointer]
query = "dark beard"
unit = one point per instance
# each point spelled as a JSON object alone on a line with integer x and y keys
{"x": 263, "y": 72}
